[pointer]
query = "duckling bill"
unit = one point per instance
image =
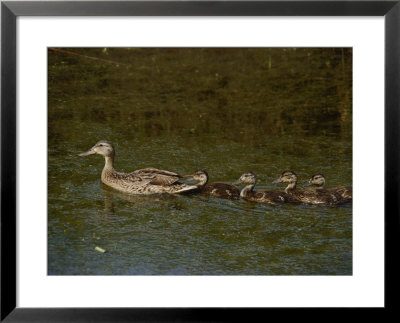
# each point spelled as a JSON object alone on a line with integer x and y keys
{"x": 142, "y": 181}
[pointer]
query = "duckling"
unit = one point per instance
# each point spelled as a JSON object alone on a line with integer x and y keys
{"x": 317, "y": 181}
{"x": 201, "y": 177}
{"x": 216, "y": 189}
{"x": 318, "y": 197}
{"x": 261, "y": 196}
{"x": 141, "y": 181}
{"x": 223, "y": 190}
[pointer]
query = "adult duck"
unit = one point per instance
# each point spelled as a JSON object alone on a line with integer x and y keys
{"x": 142, "y": 181}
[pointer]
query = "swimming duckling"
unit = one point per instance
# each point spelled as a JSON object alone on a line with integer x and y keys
{"x": 216, "y": 189}
{"x": 317, "y": 181}
{"x": 142, "y": 181}
{"x": 261, "y": 196}
{"x": 223, "y": 190}
{"x": 318, "y": 197}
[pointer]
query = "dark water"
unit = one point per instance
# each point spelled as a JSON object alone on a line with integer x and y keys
{"x": 224, "y": 110}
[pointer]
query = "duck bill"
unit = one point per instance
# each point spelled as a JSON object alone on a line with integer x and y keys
{"x": 87, "y": 153}
{"x": 308, "y": 183}
{"x": 278, "y": 180}
{"x": 238, "y": 182}
{"x": 188, "y": 177}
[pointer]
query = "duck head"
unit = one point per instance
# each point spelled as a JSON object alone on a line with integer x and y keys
{"x": 288, "y": 177}
{"x": 248, "y": 178}
{"x": 201, "y": 176}
{"x": 103, "y": 147}
{"x": 316, "y": 180}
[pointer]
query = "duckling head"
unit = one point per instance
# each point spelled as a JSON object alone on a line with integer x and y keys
{"x": 316, "y": 180}
{"x": 248, "y": 178}
{"x": 201, "y": 176}
{"x": 287, "y": 176}
{"x": 103, "y": 147}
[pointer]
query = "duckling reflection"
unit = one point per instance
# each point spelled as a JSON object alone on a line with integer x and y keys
{"x": 317, "y": 197}
{"x": 262, "y": 196}
{"x": 142, "y": 181}
{"x": 317, "y": 181}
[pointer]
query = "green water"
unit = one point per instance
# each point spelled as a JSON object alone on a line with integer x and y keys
{"x": 227, "y": 111}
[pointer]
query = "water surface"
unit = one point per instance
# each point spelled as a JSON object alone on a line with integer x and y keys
{"x": 224, "y": 110}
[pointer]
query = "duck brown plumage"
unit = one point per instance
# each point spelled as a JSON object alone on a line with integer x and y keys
{"x": 261, "y": 196}
{"x": 141, "y": 181}
{"x": 317, "y": 197}
{"x": 317, "y": 182}
{"x": 217, "y": 189}
{"x": 223, "y": 190}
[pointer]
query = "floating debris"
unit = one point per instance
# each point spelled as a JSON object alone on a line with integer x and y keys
{"x": 100, "y": 249}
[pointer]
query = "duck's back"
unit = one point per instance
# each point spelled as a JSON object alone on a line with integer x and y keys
{"x": 345, "y": 192}
{"x": 222, "y": 190}
{"x": 318, "y": 197}
{"x": 270, "y": 197}
{"x": 146, "y": 181}
{"x": 155, "y": 176}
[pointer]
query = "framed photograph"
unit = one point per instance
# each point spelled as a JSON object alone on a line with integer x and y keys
{"x": 163, "y": 158}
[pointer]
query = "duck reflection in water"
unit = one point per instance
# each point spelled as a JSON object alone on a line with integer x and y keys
{"x": 113, "y": 197}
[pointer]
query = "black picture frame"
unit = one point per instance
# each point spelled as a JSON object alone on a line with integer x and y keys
{"x": 11, "y": 10}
